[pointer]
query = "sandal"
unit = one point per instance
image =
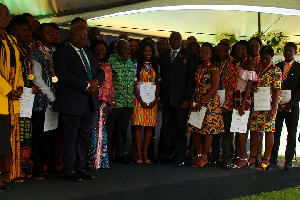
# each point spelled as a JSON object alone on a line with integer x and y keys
{"x": 139, "y": 158}
{"x": 193, "y": 162}
{"x": 263, "y": 166}
{"x": 236, "y": 166}
{"x": 201, "y": 163}
{"x": 250, "y": 163}
{"x": 145, "y": 158}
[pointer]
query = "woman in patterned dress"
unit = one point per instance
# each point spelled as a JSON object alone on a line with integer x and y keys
{"x": 98, "y": 150}
{"x": 144, "y": 115}
{"x": 19, "y": 28}
{"x": 242, "y": 97}
{"x": 207, "y": 82}
{"x": 255, "y": 45}
{"x": 11, "y": 89}
{"x": 269, "y": 75}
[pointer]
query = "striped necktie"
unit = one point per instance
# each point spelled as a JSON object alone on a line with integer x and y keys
{"x": 173, "y": 56}
{"x": 86, "y": 65}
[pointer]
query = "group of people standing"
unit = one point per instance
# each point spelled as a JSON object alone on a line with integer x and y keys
{"x": 99, "y": 89}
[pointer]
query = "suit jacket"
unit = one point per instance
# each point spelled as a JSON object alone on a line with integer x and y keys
{"x": 292, "y": 82}
{"x": 177, "y": 78}
{"x": 71, "y": 96}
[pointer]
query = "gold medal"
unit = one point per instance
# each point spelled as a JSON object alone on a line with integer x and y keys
{"x": 54, "y": 79}
{"x": 30, "y": 77}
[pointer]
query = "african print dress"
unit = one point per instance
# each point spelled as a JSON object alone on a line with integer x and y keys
{"x": 97, "y": 156}
{"x": 260, "y": 120}
{"x": 213, "y": 120}
{"x": 145, "y": 116}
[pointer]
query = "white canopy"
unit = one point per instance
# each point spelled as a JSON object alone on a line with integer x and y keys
{"x": 202, "y": 18}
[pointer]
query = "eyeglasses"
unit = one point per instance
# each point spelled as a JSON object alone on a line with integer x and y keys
{"x": 78, "y": 35}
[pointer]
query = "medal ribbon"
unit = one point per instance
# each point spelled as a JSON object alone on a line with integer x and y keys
{"x": 287, "y": 71}
{"x": 48, "y": 58}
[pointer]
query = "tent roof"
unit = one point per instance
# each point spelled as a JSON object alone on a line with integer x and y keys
{"x": 203, "y": 19}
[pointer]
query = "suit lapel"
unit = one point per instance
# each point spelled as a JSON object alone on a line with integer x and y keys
{"x": 179, "y": 55}
{"x": 292, "y": 70}
{"x": 78, "y": 61}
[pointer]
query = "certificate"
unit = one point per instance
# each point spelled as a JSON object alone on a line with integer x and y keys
{"x": 262, "y": 99}
{"x": 285, "y": 96}
{"x": 221, "y": 93}
{"x": 196, "y": 118}
{"x": 239, "y": 123}
{"x": 51, "y": 119}
{"x": 26, "y": 102}
{"x": 147, "y": 92}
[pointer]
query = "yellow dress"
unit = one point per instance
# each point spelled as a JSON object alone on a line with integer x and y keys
{"x": 213, "y": 120}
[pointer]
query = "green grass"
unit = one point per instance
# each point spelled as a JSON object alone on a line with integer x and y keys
{"x": 288, "y": 194}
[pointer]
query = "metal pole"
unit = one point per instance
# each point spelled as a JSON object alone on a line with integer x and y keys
{"x": 259, "y": 24}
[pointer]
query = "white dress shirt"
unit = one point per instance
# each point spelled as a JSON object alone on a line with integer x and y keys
{"x": 38, "y": 80}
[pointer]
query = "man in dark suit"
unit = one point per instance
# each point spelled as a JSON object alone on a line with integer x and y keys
{"x": 177, "y": 68}
{"x": 79, "y": 76}
{"x": 290, "y": 111}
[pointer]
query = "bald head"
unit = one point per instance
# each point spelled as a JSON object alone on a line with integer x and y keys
{"x": 123, "y": 49}
{"x": 78, "y": 35}
{"x": 175, "y": 40}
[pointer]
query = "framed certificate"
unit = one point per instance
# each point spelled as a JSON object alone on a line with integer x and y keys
{"x": 147, "y": 92}
{"x": 196, "y": 118}
{"x": 262, "y": 99}
{"x": 26, "y": 102}
{"x": 285, "y": 95}
{"x": 239, "y": 123}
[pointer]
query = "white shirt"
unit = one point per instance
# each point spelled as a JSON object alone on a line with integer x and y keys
{"x": 77, "y": 50}
{"x": 176, "y": 52}
{"x": 38, "y": 80}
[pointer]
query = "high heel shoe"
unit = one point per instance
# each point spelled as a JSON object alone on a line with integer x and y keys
{"x": 201, "y": 163}
{"x": 252, "y": 163}
{"x": 244, "y": 165}
{"x": 139, "y": 158}
{"x": 263, "y": 166}
{"x": 193, "y": 162}
{"x": 145, "y": 158}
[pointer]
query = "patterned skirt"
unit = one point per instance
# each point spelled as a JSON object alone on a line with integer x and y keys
{"x": 97, "y": 156}
{"x": 262, "y": 122}
{"x": 144, "y": 116}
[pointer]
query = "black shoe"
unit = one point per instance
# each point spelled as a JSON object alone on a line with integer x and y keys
{"x": 84, "y": 175}
{"x": 288, "y": 165}
{"x": 125, "y": 159}
{"x": 73, "y": 177}
{"x": 179, "y": 164}
{"x": 224, "y": 164}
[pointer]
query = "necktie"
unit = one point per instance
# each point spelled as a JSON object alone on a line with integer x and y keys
{"x": 173, "y": 56}
{"x": 86, "y": 65}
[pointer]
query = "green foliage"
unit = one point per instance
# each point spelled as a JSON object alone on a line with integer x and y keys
{"x": 275, "y": 39}
{"x": 231, "y": 38}
{"x": 290, "y": 194}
